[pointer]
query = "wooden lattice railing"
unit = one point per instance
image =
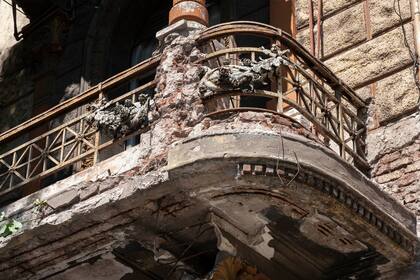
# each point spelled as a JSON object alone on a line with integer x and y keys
{"x": 67, "y": 139}
{"x": 63, "y": 138}
{"x": 333, "y": 110}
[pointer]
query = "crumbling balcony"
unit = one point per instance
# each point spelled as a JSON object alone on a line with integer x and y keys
{"x": 263, "y": 145}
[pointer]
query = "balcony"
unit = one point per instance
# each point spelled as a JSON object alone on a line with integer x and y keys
{"x": 277, "y": 142}
{"x": 305, "y": 90}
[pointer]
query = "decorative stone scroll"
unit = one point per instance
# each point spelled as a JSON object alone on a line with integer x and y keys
{"x": 119, "y": 119}
{"x": 245, "y": 77}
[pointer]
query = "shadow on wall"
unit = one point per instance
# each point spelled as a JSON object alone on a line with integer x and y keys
{"x": 16, "y": 87}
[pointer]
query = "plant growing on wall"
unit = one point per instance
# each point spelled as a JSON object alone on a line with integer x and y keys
{"x": 8, "y": 226}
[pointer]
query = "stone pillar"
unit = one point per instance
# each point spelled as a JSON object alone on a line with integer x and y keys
{"x": 185, "y": 18}
{"x": 192, "y": 10}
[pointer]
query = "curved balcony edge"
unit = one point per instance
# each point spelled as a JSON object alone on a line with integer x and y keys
{"x": 303, "y": 161}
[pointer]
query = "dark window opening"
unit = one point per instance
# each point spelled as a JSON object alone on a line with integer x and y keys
{"x": 279, "y": 13}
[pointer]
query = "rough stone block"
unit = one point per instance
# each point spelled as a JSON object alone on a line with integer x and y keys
{"x": 413, "y": 167}
{"x": 383, "y": 16}
{"x": 407, "y": 179}
{"x": 390, "y": 157}
{"x": 410, "y": 198}
{"x": 393, "y": 137}
{"x": 364, "y": 93}
{"x": 389, "y": 177}
{"x": 401, "y": 162}
{"x": 302, "y": 12}
{"x": 396, "y": 95}
{"x": 344, "y": 30}
{"x": 375, "y": 58}
{"x": 89, "y": 191}
{"x": 64, "y": 199}
{"x": 303, "y": 37}
{"x": 329, "y": 7}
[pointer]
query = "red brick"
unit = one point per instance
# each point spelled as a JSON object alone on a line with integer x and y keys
{"x": 388, "y": 177}
{"x": 407, "y": 179}
{"x": 411, "y": 198}
{"x": 399, "y": 163}
{"x": 389, "y": 157}
{"x": 391, "y": 166}
{"x": 413, "y": 167}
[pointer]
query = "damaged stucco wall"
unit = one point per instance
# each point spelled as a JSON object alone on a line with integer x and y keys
{"x": 368, "y": 51}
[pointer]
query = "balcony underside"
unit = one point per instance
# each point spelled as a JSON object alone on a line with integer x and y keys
{"x": 288, "y": 214}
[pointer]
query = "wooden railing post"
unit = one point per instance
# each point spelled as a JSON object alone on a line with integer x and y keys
{"x": 98, "y": 132}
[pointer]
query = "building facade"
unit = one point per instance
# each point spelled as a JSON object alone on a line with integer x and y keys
{"x": 272, "y": 139}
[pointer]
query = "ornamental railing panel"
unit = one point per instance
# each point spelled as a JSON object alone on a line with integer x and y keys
{"x": 71, "y": 134}
{"x": 293, "y": 82}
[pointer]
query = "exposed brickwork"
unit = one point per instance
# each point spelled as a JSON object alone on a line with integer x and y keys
{"x": 399, "y": 174}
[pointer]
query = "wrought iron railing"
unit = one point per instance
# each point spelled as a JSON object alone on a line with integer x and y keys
{"x": 302, "y": 86}
{"x": 67, "y": 138}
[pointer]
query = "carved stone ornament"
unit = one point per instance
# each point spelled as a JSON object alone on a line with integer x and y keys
{"x": 245, "y": 77}
{"x": 120, "y": 119}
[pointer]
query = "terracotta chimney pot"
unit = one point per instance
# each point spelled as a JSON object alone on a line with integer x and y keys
{"x": 194, "y": 10}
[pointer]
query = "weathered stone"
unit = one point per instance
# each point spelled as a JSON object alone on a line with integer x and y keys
{"x": 302, "y": 12}
{"x": 383, "y": 15}
{"x": 388, "y": 177}
{"x": 396, "y": 95}
{"x": 407, "y": 179}
{"x": 412, "y": 150}
{"x": 393, "y": 137}
{"x": 89, "y": 191}
{"x": 303, "y": 37}
{"x": 64, "y": 199}
{"x": 410, "y": 198}
{"x": 413, "y": 167}
{"x": 373, "y": 59}
{"x": 350, "y": 32}
{"x": 396, "y": 164}
{"x": 413, "y": 188}
{"x": 365, "y": 93}
{"x": 331, "y": 6}
{"x": 399, "y": 163}
{"x": 390, "y": 157}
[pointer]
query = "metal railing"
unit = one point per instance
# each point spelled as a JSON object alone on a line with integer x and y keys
{"x": 67, "y": 138}
{"x": 303, "y": 83}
